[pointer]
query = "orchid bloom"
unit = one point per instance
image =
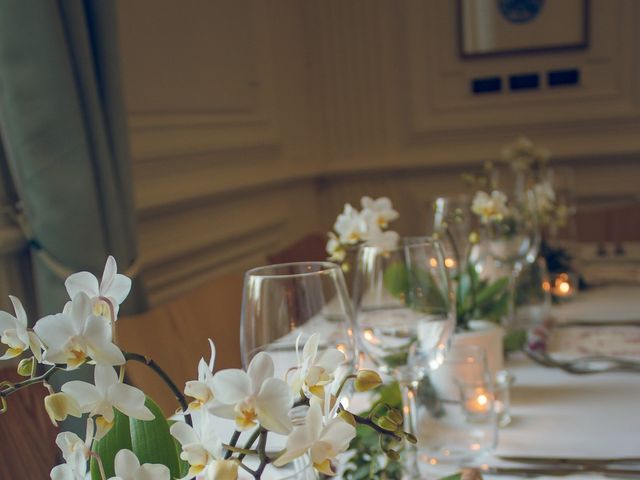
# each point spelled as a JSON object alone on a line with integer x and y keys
{"x": 14, "y": 333}
{"x": 490, "y": 207}
{"x": 108, "y": 393}
{"x": 384, "y": 240}
{"x": 545, "y": 197}
{"x": 324, "y": 442}
{"x": 350, "y": 226}
{"x": 77, "y": 335}
{"x": 378, "y": 212}
{"x": 113, "y": 287}
{"x": 202, "y": 450}
{"x": 201, "y": 390}
{"x": 315, "y": 370}
{"x": 75, "y": 452}
{"x": 127, "y": 467}
{"x": 254, "y": 396}
{"x": 335, "y": 249}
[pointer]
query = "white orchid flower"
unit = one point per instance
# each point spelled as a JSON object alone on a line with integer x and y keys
{"x": 127, "y": 467}
{"x": 202, "y": 450}
{"x": 74, "y": 337}
{"x": 108, "y": 393}
{"x": 14, "y": 333}
{"x": 383, "y": 240}
{"x": 335, "y": 249}
{"x": 315, "y": 370}
{"x": 253, "y": 396}
{"x": 113, "y": 287}
{"x": 378, "y": 212}
{"x": 324, "y": 442}
{"x": 201, "y": 390}
{"x": 75, "y": 452}
{"x": 350, "y": 226}
{"x": 490, "y": 207}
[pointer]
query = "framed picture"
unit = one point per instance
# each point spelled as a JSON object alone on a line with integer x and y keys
{"x": 497, "y": 27}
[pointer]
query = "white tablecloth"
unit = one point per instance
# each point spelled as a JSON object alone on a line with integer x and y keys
{"x": 559, "y": 414}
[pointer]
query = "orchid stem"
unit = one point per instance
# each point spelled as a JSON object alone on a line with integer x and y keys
{"x": 7, "y": 388}
{"x": 262, "y": 452}
{"x": 136, "y": 357}
{"x": 98, "y": 460}
{"x": 250, "y": 442}
{"x": 232, "y": 446}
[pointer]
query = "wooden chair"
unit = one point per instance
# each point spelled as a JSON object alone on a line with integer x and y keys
{"x": 27, "y": 435}
{"x": 175, "y": 336}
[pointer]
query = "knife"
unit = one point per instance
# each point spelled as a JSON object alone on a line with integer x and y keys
{"x": 559, "y": 471}
{"x": 570, "y": 460}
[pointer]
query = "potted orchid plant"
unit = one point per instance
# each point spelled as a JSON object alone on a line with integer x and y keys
{"x": 128, "y": 437}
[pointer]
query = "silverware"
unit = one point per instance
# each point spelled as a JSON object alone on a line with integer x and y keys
{"x": 580, "y": 366}
{"x": 531, "y": 472}
{"x": 571, "y": 460}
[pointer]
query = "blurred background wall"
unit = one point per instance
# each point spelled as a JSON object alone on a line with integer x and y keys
{"x": 252, "y": 122}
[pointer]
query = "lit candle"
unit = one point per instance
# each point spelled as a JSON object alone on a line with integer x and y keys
{"x": 478, "y": 401}
{"x": 562, "y": 286}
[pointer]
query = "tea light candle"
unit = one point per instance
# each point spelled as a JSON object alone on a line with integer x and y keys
{"x": 562, "y": 285}
{"x": 478, "y": 401}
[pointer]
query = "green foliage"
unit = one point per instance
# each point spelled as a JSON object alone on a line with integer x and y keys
{"x": 151, "y": 441}
{"x": 480, "y": 299}
{"x": 515, "y": 341}
{"x": 396, "y": 279}
{"x": 116, "y": 439}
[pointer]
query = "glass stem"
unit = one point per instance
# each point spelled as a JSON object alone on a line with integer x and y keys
{"x": 513, "y": 296}
{"x": 409, "y": 390}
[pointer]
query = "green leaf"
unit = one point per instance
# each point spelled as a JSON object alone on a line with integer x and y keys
{"x": 396, "y": 279}
{"x": 115, "y": 440}
{"x": 514, "y": 341}
{"x": 491, "y": 291}
{"x": 152, "y": 442}
{"x": 456, "y": 476}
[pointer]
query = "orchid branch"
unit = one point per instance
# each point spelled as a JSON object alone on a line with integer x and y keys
{"x": 232, "y": 446}
{"x": 136, "y": 357}
{"x": 7, "y": 388}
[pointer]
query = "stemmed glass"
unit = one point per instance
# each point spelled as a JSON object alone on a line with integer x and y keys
{"x": 405, "y": 316}
{"x": 283, "y": 305}
{"x": 283, "y": 302}
{"x": 514, "y": 240}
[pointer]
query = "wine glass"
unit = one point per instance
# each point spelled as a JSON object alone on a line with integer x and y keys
{"x": 513, "y": 239}
{"x": 405, "y": 316}
{"x": 283, "y": 305}
{"x": 453, "y": 224}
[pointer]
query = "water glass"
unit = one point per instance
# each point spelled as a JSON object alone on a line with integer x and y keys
{"x": 457, "y": 419}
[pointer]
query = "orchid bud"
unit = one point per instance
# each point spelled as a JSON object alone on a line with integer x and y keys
{"x": 393, "y": 455}
{"x": 387, "y": 424}
{"x": 60, "y": 405}
{"x": 347, "y": 417}
{"x": 474, "y": 238}
{"x": 367, "y": 380}
{"x": 395, "y": 415}
{"x": 411, "y": 438}
{"x": 26, "y": 366}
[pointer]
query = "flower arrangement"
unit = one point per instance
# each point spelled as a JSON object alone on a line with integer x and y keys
{"x": 127, "y": 436}
{"x": 368, "y": 226}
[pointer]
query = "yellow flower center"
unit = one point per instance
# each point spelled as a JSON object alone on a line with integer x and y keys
{"x": 246, "y": 416}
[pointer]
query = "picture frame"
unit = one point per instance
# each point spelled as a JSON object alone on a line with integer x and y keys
{"x": 508, "y": 27}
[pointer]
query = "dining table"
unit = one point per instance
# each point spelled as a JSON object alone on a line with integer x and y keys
{"x": 576, "y": 425}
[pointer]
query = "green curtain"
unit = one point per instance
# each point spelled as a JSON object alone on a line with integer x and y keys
{"x": 63, "y": 124}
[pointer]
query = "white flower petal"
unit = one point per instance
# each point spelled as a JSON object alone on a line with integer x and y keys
{"x": 150, "y": 471}
{"x": 105, "y": 376}
{"x": 273, "y": 404}
{"x": 55, "y": 330}
{"x": 82, "y": 282}
{"x": 338, "y": 433}
{"x": 231, "y": 386}
{"x": 7, "y": 321}
{"x": 311, "y": 347}
{"x": 130, "y": 401}
{"x": 330, "y": 359}
{"x": 185, "y": 434}
{"x": 98, "y": 336}
{"x": 63, "y": 472}
{"x": 108, "y": 274}
{"x": 125, "y": 463}
{"x": 260, "y": 368}
{"x": 119, "y": 289}
{"x": 21, "y": 315}
{"x": 81, "y": 308}
{"x": 87, "y": 395}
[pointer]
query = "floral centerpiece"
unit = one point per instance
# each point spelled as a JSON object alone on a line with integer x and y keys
{"x": 127, "y": 436}
{"x": 367, "y": 226}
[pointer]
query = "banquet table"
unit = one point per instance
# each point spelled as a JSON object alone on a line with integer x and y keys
{"x": 559, "y": 414}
